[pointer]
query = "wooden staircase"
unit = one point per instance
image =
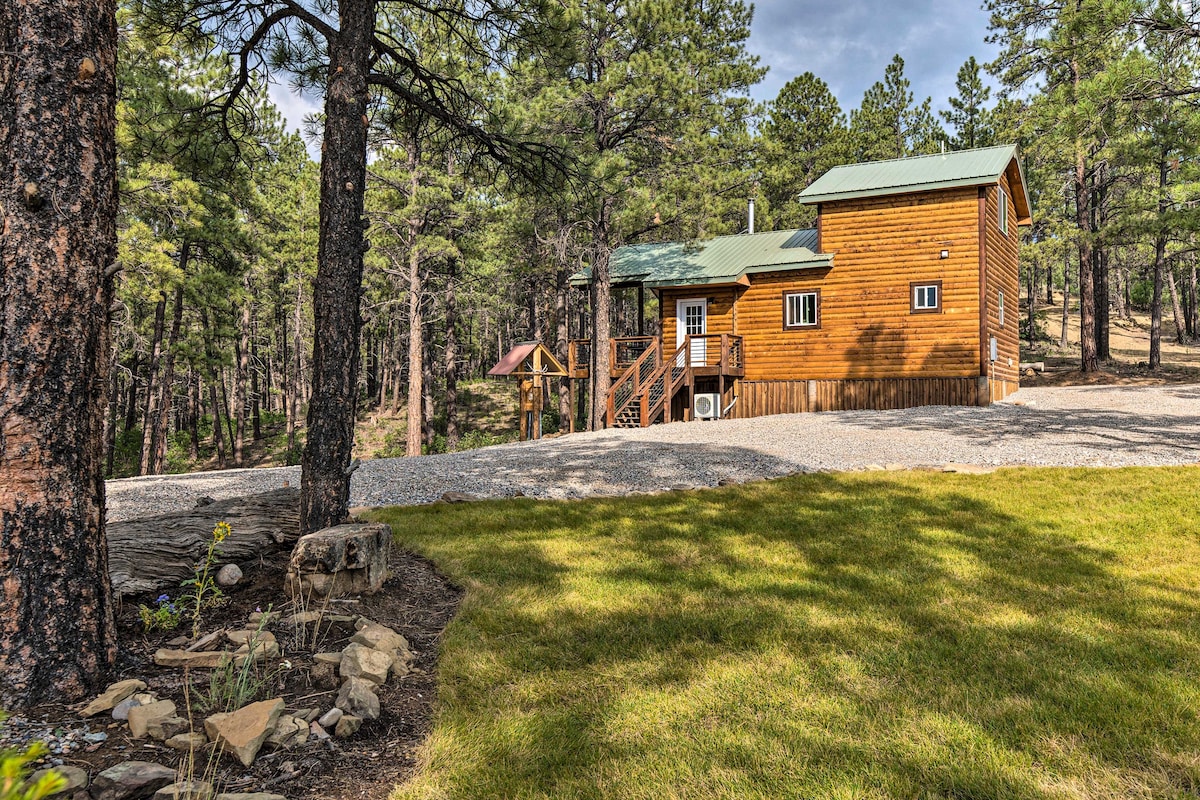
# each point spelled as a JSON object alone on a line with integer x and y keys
{"x": 643, "y": 393}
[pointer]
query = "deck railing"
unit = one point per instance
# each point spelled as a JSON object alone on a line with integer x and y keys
{"x": 623, "y": 351}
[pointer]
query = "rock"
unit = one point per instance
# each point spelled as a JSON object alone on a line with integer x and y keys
{"x": 347, "y": 726}
{"x": 95, "y": 738}
{"x": 357, "y": 697}
{"x": 318, "y": 733}
{"x": 380, "y": 637}
{"x": 330, "y": 718}
{"x": 208, "y": 641}
{"x": 185, "y": 790}
{"x": 179, "y": 641}
{"x": 75, "y": 777}
{"x": 968, "y": 469}
{"x": 400, "y": 668}
{"x": 728, "y": 482}
{"x": 263, "y": 618}
{"x": 121, "y": 709}
{"x": 262, "y": 651}
{"x": 192, "y": 740}
{"x": 289, "y": 732}
{"x": 459, "y": 497}
{"x": 164, "y": 728}
{"x": 141, "y": 717}
{"x": 896, "y": 467}
{"x": 344, "y": 559}
{"x": 308, "y": 714}
{"x": 359, "y": 661}
{"x": 244, "y": 637}
{"x": 111, "y": 696}
{"x": 182, "y": 658}
{"x": 229, "y": 576}
{"x": 243, "y": 732}
{"x": 131, "y": 780}
{"x": 303, "y": 618}
{"x": 327, "y": 658}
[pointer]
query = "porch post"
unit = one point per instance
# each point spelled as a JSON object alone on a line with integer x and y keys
{"x": 641, "y": 310}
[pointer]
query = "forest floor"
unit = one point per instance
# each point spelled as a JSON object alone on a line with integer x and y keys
{"x": 1129, "y": 343}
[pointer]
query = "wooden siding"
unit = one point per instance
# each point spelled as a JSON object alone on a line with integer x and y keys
{"x": 760, "y": 398}
{"x": 1002, "y": 257}
{"x": 880, "y": 246}
{"x": 720, "y": 311}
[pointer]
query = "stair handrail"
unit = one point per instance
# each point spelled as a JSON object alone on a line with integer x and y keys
{"x": 649, "y": 412}
{"x": 634, "y": 374}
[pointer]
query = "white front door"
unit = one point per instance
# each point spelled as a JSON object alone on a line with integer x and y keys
{"x": 691, "y": 319}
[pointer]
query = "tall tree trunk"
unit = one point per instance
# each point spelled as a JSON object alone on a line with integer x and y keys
{"x": 158, "y": 452}
{"x": 601, "y": 290}
{"x": 451, "y": 358}
{"x": 150, "y": 411}
{"x": 1160, "y": 252}
{"x": 293, "y": 383}
{"x": 427, "y": 384}
{"x": 416, "y": 346}
{"x": 225, "y": 406}
{"x": 255, "y": 395}
{"x": 337, "y": 289}
{"x": 1100, "y": 261}
{"x": 1066, "y": 304}
{"x": 58, "y": 210}
{"x": 110, "y": 419}
{"x": 562, "y": 342}
{"x": 1031, "y": 297}
{"x": 240, "y": 380}
{"x": 131, "y": 397}
{"x": 1089, "y": 360}
{"x": 193, "y": 414}
{"x": 1176, "y": 310}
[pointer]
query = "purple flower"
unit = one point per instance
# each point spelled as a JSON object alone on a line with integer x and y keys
{"x": 163, "y": 598}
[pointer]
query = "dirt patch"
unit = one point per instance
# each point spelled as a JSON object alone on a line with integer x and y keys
{"x": 1064, "y": 371}
{"x": 416, "y": 601}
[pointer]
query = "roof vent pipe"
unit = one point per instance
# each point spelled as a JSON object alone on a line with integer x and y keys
{"x": 750, "y": 212}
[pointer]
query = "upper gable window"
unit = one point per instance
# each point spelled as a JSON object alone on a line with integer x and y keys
{"x": 1002, "y": 196}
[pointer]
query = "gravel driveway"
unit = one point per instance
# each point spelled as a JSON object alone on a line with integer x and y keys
{"x": 1060, "y": 426}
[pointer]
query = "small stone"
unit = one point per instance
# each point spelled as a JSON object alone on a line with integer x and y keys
{"x": 330, "y": 718}
{"x": 111, "y": 696}
{"x": 179, "y": 641}
{"x": 192, "y": 740}
{"x": 76, "y": 778}
{"x": 229, "y": 576}
{"x": 728, "y": 482}
{"x": 262, "y": 651}
{"x": 308, "y": 714}
{"x": 244, "y": 636}
{"x": 357, "y": 697}
{"x": 121, "y": 709}
{"x": 303, "y": 618}
{"x": 359, "y": 661}
{"x": 141, "y": 717}
{"x": 185, "y": 790}
{"x": 318, "y": 733}
{"x": 347, "y": 726}
{"x": 162, "y": 729}
{"x": 243, "y": 732}
{"x": 328, "y": 658}
{"x": 181, "y": 658}
{"x": 380, "y": 637}
{"x": 263, "y": 618}
{"x": 289, "y": 732}
{"x": 131, "y": 779}
{"x": 94, "y": 738}
{"x": 458, "y": 497}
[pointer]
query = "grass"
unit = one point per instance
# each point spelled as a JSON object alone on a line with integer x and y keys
{"x": 1026, "y": 634}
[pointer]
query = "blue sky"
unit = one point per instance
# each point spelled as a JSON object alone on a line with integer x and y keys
{"x": 846, "y": 43}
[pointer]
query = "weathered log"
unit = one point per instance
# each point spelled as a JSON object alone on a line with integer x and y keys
{"x": 157, "y": 553}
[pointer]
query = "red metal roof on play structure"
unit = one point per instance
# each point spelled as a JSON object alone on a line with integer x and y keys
{"x": 513, "y": 359}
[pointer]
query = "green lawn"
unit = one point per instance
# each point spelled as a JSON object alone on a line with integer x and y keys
{"x": 1031, "y": 633}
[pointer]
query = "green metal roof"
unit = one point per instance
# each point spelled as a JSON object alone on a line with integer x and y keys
{"x": 720, "y": 260}
{"x": 919, "y": 174}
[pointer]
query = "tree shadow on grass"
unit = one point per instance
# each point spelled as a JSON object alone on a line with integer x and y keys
{"x": 826, "y": 634}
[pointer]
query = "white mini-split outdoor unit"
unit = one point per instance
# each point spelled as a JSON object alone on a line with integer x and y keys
{"x": 707, "y": 406}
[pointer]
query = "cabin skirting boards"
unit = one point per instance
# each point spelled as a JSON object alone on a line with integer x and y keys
{"x": 761, "y": 398}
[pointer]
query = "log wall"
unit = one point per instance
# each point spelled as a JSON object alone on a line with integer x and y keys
{"x": 1001, "y": 256}
{"x": 761, "y": 398}
{"x": 721, "y": 314}
{"x": 868, "y": 330}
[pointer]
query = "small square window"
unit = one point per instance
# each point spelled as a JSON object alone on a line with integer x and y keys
{"x": 926, "y": 298}
{"x": 801, "y": 310}
{"x": 1002, "y": 198}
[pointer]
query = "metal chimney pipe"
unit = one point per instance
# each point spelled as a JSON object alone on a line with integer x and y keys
{"x": 750, "y": 210}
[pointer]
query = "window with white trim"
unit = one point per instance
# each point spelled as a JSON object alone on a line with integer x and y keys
{"x": 1000, "y": 306}
{"x": 802, "y": 310}
{"x": 1002, "y": 198}
{"x": 926, "y": 298}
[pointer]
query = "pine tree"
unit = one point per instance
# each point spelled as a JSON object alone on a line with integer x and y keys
{"x": 968, "y": 116}
{"x": 58, "y": 211}
{"x": 888, "y": 125}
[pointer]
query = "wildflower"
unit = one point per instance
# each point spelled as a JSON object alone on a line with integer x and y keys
{"x": 221, "y": 532}
{"x": 163, "y": 598}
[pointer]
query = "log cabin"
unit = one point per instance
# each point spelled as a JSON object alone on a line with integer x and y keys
{"x": 897, "y": 298}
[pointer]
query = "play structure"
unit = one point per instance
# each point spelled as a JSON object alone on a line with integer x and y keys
{"x": 532, "y": 363}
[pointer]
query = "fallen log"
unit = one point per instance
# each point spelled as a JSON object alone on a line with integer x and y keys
{"x": 156, "y": 554}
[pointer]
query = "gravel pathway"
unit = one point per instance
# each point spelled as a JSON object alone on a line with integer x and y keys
{"x": 1060, "y": 426}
